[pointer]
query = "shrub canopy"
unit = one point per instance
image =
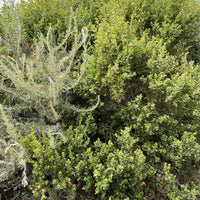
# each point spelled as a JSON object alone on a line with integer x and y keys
{"x": 142, "y": 59}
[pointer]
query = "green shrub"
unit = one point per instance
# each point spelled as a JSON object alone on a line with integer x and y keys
{"x": 114, "y": 170}
{"x": 36, "y": 16}
{"x": 143, "y": 66}
{"x": 142, "y": 142}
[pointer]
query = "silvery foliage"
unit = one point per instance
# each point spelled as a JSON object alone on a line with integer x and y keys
{"x": 36, "y": 88}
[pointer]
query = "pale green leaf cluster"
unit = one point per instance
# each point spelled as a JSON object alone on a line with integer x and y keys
{"x": 36, "y": 87}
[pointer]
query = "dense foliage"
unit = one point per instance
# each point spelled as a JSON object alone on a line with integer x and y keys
{"x": 141, "y": 57}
